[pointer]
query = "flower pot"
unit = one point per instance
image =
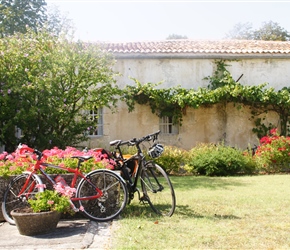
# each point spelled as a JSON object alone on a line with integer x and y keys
{"x": 35, "y": 223}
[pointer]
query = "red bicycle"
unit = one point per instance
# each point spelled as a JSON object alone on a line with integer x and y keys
{"x": 101, "y": 194}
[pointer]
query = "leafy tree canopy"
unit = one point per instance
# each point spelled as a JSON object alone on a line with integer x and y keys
{"x": 269, "y": 31}
{"x": 46, "y": 85}
{"x": 58, "y": 23}
{"x": 18, "y": 15}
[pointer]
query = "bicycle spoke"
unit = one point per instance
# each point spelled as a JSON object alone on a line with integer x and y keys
{"x": 113, "y": 200}
{"x": 12, "y": 199}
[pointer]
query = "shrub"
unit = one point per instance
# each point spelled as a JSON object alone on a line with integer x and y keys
{"x": 50, "y": 200}
{"x": 273, "y": 154}
{"x": 173, "y": 159}
{"x": 219, "y": 160}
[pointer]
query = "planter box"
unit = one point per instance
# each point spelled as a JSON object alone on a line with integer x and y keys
{"x": 29, "y": 223}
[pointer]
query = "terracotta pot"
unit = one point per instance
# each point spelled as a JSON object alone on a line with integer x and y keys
{"x": 35, "y": 223}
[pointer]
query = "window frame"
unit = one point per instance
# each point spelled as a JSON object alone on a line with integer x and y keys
{"x": 167, "y": 127}
{"x": 98, "y": 114}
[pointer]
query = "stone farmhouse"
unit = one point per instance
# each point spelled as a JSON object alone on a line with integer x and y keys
{"x": 187, "y": 63}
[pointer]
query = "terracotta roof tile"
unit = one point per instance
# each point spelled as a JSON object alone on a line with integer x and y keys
{"x": 199, "y": 47}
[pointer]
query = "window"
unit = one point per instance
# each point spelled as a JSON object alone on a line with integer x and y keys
{"x": 18, "y": 133}
{"x": 166, "y": 125}
{"x": 96, "y": 115}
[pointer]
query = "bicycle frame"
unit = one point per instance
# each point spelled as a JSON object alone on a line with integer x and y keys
{"x": 39, "y": 166}
{"x": 31, "y": 188}
{"x": 77, "y": 174}
{"x": 140, "y": 160}
{"x": 139, "y": 157}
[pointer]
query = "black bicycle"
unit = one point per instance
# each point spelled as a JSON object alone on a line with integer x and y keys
{"x": 156, "y": 186}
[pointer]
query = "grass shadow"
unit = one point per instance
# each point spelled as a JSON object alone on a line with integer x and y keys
{"x": 137, "y": 210}
{"x": 187, "y": 183}
{"x": 187, "y": 212}
{"x": 182, "y": 211}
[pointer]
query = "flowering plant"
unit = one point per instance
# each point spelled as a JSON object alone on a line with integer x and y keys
{"x": 273, "y": 154}
{"x": 14, "y": 163}
{"x": 53, "y": 200}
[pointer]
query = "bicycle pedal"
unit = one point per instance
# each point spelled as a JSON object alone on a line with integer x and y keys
{"x": 143, "y": 199}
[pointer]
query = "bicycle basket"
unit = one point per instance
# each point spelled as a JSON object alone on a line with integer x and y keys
{"x": 156, "y": 150}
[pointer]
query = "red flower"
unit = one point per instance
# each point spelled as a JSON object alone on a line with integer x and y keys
{"x": 273, "y": 131}
{"x": 265, "y": 140}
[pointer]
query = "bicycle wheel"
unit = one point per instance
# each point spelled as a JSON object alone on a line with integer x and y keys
{"x": 114, "y": 198}
{"x": 13, "y": 199}
{"x": 157, "y": 189}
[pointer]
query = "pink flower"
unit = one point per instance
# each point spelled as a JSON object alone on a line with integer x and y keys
{"x": 9, "y": 157}
{"x": 12, "y": 168}
{"x": 3, "y": 155}
{"x": 62, "y": 165}
{"x": 68, "y": 191}
{"x": 58, "y": 187}
{"x": 50, "y": 202}
{"x": 40, "y": 186}
{"x": 65, "y": 190}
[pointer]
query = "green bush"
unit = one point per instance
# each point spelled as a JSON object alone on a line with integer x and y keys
{"x": 219, "y": 160}
{"x": 173, "y": 159}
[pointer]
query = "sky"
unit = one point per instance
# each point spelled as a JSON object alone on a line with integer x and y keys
{"x": 145, "y": 20}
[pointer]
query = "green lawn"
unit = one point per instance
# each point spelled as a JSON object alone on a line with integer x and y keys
{"x": 249, "y": 212}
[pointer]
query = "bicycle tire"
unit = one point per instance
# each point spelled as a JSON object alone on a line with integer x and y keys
{"x": 113, "y": 201}
{"x": 11, "y": 199}
{"x": 157, "y": 189}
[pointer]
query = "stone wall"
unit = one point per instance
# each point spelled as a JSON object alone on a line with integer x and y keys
{"x": 190, "y": 72}
{"x": 221, "y": 122}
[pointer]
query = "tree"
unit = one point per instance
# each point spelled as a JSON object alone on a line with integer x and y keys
{"x": 270, "y": 31}
{"x": 58, "y": 23}
{"x": 46, "y": 85}
{"x": 17, "y": 15}
{"x": 241, "y": 31}
{"x": 175, "y": 36}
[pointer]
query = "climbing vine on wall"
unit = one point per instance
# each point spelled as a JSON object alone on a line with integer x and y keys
{"x": 222, "y": 88}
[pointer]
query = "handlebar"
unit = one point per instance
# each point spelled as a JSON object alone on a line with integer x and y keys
{"x": 24, "y": 149}
{"x": 135, "y": 141}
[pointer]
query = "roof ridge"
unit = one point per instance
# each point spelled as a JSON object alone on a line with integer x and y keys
{"x": 198, "y": 46}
